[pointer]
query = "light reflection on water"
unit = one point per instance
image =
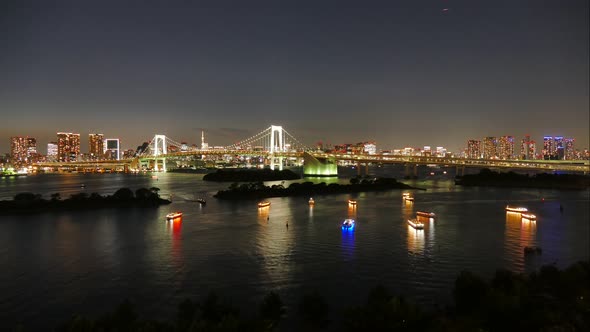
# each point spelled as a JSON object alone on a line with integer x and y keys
{"x": 103, "y": 256}
{"x": 415, "y": 240}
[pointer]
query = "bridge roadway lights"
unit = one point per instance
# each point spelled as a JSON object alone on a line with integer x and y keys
{"x": 313, "y": 166}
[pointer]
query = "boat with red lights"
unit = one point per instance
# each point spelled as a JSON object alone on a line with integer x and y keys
{"x": 174, "y": 215}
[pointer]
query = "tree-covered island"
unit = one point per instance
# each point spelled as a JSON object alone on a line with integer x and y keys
{"x": 30, "y": 203}
{"x": 251, "y": 175}
{"x": 488, "y": 178}
{"x": 259, "y": 190}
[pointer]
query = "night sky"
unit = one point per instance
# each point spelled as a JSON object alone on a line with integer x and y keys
{"x": 402, "y": 73}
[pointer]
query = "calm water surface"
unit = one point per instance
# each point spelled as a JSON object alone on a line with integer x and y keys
{"x": 57, "y": 264}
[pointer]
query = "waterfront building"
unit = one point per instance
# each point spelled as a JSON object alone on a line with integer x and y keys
{"x": 570, "y": 152}
{"x": 559, "y": 148}
{"x": 473, "y": 149}
{"x": 52, "y": 151}
{"x": 528, "y": 148}
{"x": 427, "y": 151}
{"x": 370, "y": 148}
{"x": 549, "y": 150}
{"x": 112, "y": 149}
{"x": 441, "y": 151}
{"x": 18, "y": 149}
{"x": 505, "y": 148}
{"x": 68, "y": 146}
{"x": 96, "y": 146}
{"x": 490, "y": 145}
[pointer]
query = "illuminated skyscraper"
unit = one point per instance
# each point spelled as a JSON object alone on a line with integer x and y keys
{"x": 473, "y": 149}
{"x": 559, "y": 148}
{"x": 370, "y": 148}
{"x": 68, "y": 146}
{"x": 18, "y": 149}
{"x": 549, "y": 151}
{"x": 52, "y": 151}
{"x": 570, "y": 153}
{"x": 490, "y": 145}
{"x": 528, "y": 148}
{"x": 96, "y": 145}
{"x": 506, "y": 147}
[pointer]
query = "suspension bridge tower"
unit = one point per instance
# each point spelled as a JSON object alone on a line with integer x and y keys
{"x": 277, "y": 144}
{"x": 160, "y": 148}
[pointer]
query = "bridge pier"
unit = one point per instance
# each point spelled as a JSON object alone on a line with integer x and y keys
{"x": 415, "y": 171}
{"x": 459, "y": 170}
{"x": 272, "y": 160}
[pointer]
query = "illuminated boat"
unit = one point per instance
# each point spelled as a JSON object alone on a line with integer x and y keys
{"x": 415, "y": 223}
{"x": 528, "y": 216}
{"x": 406, "y": 195}
{"x": 352, "y": 201}
{"x": 173, "y": 215}
{"x": 263, "y": 204}
{"x": 311, "y": 201}
{"x": 202, "y": 201}
{"x": 516, "y": 209}
{"x": 426, "y": 214}
{"x": 348, "y": 224}
{"x": 409, "y": 199}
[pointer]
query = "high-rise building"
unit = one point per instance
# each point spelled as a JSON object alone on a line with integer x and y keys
{"x": 441, "y": 151}
{"x": 559, "y": 148}
{"x": 528, "y": 148}
{"x": 505, "y": 147}
{"x": 549, "y": 151}
{"x": 473, "y": 149}
{"x": 52, "y": 151}
{"x": 31, "y": 147}
{"x": 18, "y": 149}
{"x": 570, "y": 153}
{"x": 490, "y": 145}
{"x": 96, "y": 146}
{"x": 112, "y": 148}
{"x": 370, "y": 148}
{"x": 68, "y": 146}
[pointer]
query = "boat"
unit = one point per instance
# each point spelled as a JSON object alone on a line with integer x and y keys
{"x": 528, "y": 216}
{"x": 311, "y": 201}
{"x": 409, "y": 199}
{"x": 202, "y": 201}
{"x": 174, "y": 215}
{"x": 348, "y": 224}
{"x": 516, "y": 209}
{"x": 405, "y": 195}
{"x": 352, "y": 201}
{"x": 263, "y": 204}
{"x": 415, "y": 223}
{"x": 426, "y": 214}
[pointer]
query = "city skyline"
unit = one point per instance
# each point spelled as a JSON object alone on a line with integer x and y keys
{"x": 91, "y": 145}
{"x": 401, "y": 74}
